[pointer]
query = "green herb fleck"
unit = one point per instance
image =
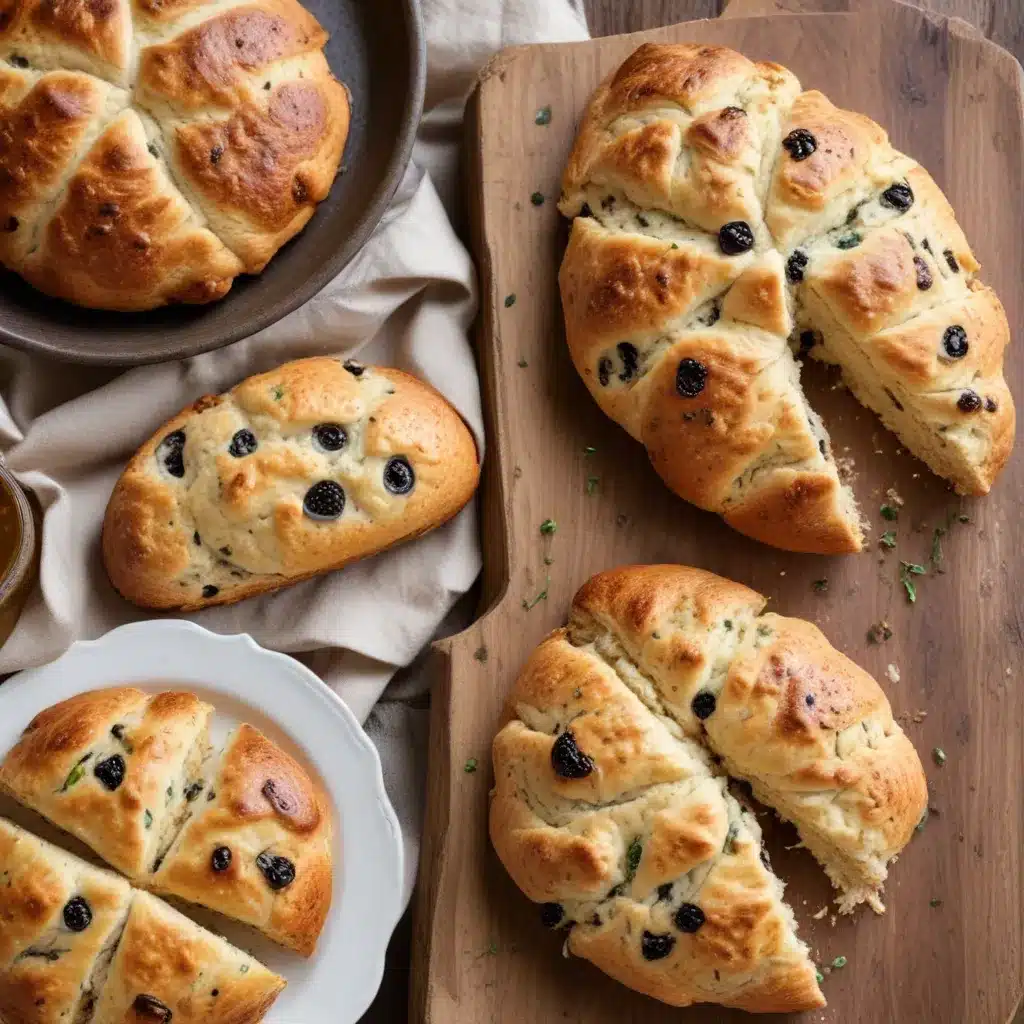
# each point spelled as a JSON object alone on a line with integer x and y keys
{"x": 244, "y": 969}
{"x": 935, "y": 902}
{"x": 592, "y": 482}
{"x": 542, "y": 596}
{"x": 480, "y": 654}
{"x": 839, "y": 962}
{"x": 763, "y": 630}
{"x": 75, "y": 775}
{"x": 879, "y": 632}
{"x": 537, "y": 198}
{"x": 919, "y": 827}
{"x": 589, "y": 450}
{"x": 888, "y": 539}
{"x": 819, "y": 976}
{"x": 936, "y": 555}
{"x": 938, "y": 756}
{"x": 633, "y": 855}
{"x": 549, "y": 526}
{"x": 510, "y": 299}
{"x": 543, "y": 116}
{"x": 907, "y": 570}
{"x": 278, "y": 392}
{"x": 675, "y": 246}
{"x": 727, "y": 623}
{"x": 148, "y": 819}
{"x": 523, "y": 364}
{"x": 821, "y": 586}
{"x": 730, "y": 838}
{"x": 470, "y": 766}
{"x": 492, "y": 949}
{"x": 850, "y": 241}
{"x": 889, "y": 512}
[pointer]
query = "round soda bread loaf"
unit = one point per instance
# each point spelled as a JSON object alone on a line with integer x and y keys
{"x": 115, "y": 768}
{"x": 611, "y": 805}
{"x": 151, "y": 151}
{"x": 293, "y": 473}
{"x": 725, "y": 223}
{"x": 59, "y": 921}
{"x": 257, "y": 848}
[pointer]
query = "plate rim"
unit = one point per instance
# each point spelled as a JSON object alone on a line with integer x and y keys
{"x": 363, "y": 978}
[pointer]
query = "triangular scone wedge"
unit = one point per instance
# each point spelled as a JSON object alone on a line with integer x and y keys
{"x": 609, "y": 815}
{"x": 115, "y": 768}
{"x": 814, "y": 736}
{"x": 257, "y": 846}
{"x": 59, "y": 921}
{"x": 168, "y": 970}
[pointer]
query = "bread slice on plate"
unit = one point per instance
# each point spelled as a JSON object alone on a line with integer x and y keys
{"x": 59, "y": 921}
{"x": 116, "y": 768}
{"x": 257, "y": 847}
{"x": 169, "y": 969}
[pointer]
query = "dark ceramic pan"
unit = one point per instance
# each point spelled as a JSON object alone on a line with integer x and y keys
{"x": 377, "y": 50}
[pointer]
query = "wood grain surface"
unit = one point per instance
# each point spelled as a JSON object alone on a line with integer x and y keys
{"x": 951, "y": 947}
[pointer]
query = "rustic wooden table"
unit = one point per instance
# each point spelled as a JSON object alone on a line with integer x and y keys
{"x": 1000, "y": 20}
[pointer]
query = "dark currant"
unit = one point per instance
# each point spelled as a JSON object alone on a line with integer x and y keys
{"x": 951, "y": 261}
{"x": 551, "y": 914}
{"x": 689, "y": 917}
{"x": 111, "y": 772}
{"x": 243, "y": 443}
{"x": 656, "y": 947}
{"x": 399, "y": 477}
{"x": 924, "y": 274}
{"x": 171, "y": 453}
{"x": 991, "y": 405}
{"x": 800, "y": 143}
{"x": 954, "y": 342}
{"x": 77, "y": 915}
{"x": 278, "y": 871}
{"x": 330, "y": 437}
{"x": 568, "y": 760}
{"x": 604, "y": 370}
{"x": 969, "y": 401}
{"x": 795, "y": 267}
{"x": 210, "y": 591}
{"x": 735, "y": 238}
{"x": 356, "y": 369}
{"x": 630, "y": 359}
{"x": 704, "y": 704}
{"x": 324, "y": 501}
{"x": 691, "y": 376}
{"x": 898, "y": 196}
{"x": 221, "y": 859}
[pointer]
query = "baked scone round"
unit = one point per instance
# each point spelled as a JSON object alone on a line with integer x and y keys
{"x": 116, "y": 768}
{"x": 293, "y": 473}
{"x": 59, "y": 921}
{"x": 257, "y": 847}
{"x": 610, "y": 807}
{"x": 168, "y": 970}
{"x": 726, "y": 222}
{"x": 151, "y": 151}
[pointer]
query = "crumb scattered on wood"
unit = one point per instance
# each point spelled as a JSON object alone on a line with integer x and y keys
{"x": 893, "y": 673}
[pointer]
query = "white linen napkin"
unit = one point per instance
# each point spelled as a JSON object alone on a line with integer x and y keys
{"x": 406, "y": 300}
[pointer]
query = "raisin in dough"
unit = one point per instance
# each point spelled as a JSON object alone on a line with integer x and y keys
{"x": 168, "y": 970}
{"x": 258, "y": 847}
{"x": 115, "y": 768}
{"x": 719, "y": 211}
{"x": 609, "y": 807}
{"x": 59, "y": 921}
{"x": 293, "y": 473}
{"x": 151, "y": 151}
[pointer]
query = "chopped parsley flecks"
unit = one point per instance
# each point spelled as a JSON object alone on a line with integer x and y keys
{"x": 543, "y": 116}
{"x": 549, "y": 526}
{"x": 537, "y": 198}
{"x": 908, "y": 570}
{"x": 888, "y": 539}
{"x": 839, "y": 963}
{"x": 542, "y": 596}
{"x": 889, "y": 512}
{"x": 938, "y": 756}
{"x": 470, "y": 766}
{"x": 820, "y": 586}
{"x": 480, "y": 654}
{"x": 510, "y": 299}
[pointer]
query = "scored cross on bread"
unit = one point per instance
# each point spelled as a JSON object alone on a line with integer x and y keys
{"x": 610, "y": 804}
{"x": 719, "y": 211}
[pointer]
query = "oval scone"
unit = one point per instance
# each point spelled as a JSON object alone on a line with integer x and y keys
{"x": 292, "y": 473}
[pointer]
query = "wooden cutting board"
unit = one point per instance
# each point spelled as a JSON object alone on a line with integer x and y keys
{"x": 950, "y": 947}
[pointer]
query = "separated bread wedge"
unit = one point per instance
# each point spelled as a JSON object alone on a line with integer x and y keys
{"x": 60, "y": 919}
{"x": 257, "y": 847}
{"x": 168, "y": 970}
{"x": 116, "y": 768}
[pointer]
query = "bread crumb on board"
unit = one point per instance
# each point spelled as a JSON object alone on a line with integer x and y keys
{"x": 893, "y": 673}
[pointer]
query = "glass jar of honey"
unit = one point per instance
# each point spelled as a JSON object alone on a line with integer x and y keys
{"x": 18, "y": 562}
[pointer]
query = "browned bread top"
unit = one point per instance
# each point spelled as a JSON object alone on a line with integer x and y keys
{"x": 610, "y": 808}
{"x": 719, "y": 212}
{"x": 294, "y": 472}
{"x": 264, "y": 810}
{"x": 234, "y": 133}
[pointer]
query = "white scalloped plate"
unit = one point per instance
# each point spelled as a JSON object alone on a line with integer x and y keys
{"x": 282, "y": 697}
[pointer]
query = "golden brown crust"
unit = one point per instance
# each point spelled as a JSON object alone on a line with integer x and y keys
{"x": 607, "y": 803}
{"x": 37, "y": 881}
{"x": 676, "y": 317}
{"x": 192, "y": 973}
{"x": 262, "y": 802}
{"x": 53, "y": 768}
{"x": 123, "y": 238}
{"x": 236, "y": 135}
{"x": 248, "y": 510}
